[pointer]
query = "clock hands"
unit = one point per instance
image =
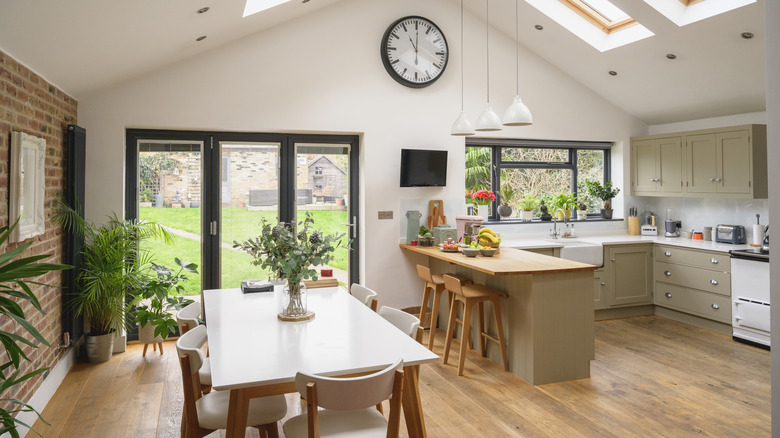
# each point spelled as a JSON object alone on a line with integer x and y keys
{"x": 417, "y": 44}
{"x": 414, "y": 46}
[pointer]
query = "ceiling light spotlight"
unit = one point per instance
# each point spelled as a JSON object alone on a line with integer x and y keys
{"x": 305, "y": 1}
{"x": 200, "y": 38}
{"x": 613, "y": 73}
{"x": 538, "y": 27}
{"x": 747, "y": 35}
{"x": 202, "y": 10}
{"x": 671, "y": 56}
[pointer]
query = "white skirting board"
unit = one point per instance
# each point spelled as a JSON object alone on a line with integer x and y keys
{"x": 41, "y": 398}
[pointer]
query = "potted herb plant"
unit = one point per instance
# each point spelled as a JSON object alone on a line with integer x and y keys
{"x": 582, "y": 211}
{"x": 566, "y": 202}
{"x": 279, "y": 249}
{"x": 155, "y": 296}
{"x": 527, "y": 204}
{"x": 505, "y": 210}
{"x": 112, "y": 258}
{"x": 605, "y": 193}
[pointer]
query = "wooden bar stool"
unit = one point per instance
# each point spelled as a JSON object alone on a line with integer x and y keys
{"x": 470, "y": 294}
{"x": 433, "y": 283}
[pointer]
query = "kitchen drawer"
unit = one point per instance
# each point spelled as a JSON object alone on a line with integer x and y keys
{"x": 693, "y": 301}
{"x": 693, "y": 257}
{"x": 543, "y": 251}
{"x": 697, "y": 278}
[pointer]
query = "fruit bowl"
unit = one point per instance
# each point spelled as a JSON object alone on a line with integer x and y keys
{"x": 488, "y": 252}
{"x": 471, "y": 252}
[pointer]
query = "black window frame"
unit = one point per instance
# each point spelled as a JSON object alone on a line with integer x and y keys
{"x": 497, "y": 164}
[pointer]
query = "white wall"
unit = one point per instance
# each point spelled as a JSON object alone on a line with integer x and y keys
{"x": 322, "y": 73}
{"x": 772, "y": 17}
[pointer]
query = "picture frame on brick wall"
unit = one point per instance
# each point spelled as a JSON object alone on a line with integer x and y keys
{"x": 27, "y": 185}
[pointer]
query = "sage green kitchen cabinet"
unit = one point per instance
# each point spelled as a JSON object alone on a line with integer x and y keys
{"x": 630, "y": 274}
{"x": 600, "y": 289}
{"x": 720, "y": 163}
{"x": 657, "y": 166}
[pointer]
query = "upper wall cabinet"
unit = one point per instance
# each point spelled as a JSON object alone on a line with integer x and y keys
{"x": 724, "y": 163}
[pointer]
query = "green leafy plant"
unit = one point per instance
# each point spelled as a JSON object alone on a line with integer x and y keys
{"x": 157, "y": 294}
{"x": 507, "y": 193}
{"x": 14, "y": 287}
{"x": 112, "y": 265}
{"x": 528, "y": 202}
{"x": 582, "y": 206}
{"x": 145, "y": 195}
{"x": 423, "y": 230}
{"x": 605, "y": 192}
{"x": 280, "y": 250}
{"x": 565, "y": 201}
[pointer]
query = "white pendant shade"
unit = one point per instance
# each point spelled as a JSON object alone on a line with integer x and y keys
{"x": 518, "y": 114}
{"x": 488, "y": 120}
{"x": 462, "y": 126}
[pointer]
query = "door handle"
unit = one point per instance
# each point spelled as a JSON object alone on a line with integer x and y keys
{"x": 667, "y": 253}
{"x": 353, "y": 227}
{"x": 714, "y": 261}
{"x": 668, "y": 295}
{"x": 668, "y": 273}
{"x": 715, "y": 306}
{"x": 714, "y": 282}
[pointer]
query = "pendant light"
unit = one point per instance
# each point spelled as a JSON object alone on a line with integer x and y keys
{"x": 488, "y": 120}
{"x": 462, "y": 125}
{"x": 517, "y": 114}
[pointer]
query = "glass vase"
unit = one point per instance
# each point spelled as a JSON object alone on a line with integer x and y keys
{"x": 294, "y": 300}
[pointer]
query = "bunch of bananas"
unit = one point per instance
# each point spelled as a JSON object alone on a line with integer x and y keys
{"x": 487, "y": 236}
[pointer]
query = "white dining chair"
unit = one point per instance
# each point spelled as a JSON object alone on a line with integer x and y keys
{"x": 406, "y": 322}
{"x": 205, "y": 413}
{"x": 187, "y": 319}
{"x": 364, "y": 295}
{"x": 347, "y": 405}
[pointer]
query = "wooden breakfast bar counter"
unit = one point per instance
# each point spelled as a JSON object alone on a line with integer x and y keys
{"x": 548, "y": 316}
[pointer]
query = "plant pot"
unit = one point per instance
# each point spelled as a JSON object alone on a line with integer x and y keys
{"x": 504, "y": 211}
{"x": 146, "y": 335}
{"x": 606, "y": 214}
{"x": 100, "y": 347}
{"x": 564, "y": 216}
{"x": 339, "y": 201}
{"x": 482, "y": 210}
{"x": 526, "y": 215}
{"x": 582, "y": 215}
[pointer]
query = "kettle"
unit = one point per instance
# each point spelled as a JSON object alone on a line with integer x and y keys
{"x": 765, "y": 244}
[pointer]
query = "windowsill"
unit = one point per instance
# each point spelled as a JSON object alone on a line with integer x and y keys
{"x": 515, "y": 221}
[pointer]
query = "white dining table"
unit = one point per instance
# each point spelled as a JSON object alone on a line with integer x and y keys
{"x": 254, "y": 354}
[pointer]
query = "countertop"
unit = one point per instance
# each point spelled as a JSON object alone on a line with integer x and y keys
{"x": 529, "y": 242}
{"x": 508, "y": 261}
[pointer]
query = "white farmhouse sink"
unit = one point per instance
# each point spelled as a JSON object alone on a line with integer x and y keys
{"x": 579, "y": 251}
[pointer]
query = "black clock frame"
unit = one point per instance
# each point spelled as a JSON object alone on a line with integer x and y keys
{"x": 386, "y": 61}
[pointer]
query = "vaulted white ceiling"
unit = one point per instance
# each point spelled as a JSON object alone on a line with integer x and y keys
{"x": 84, "y": 46}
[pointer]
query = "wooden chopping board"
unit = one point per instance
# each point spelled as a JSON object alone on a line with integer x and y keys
{"x": 436, "y": 214}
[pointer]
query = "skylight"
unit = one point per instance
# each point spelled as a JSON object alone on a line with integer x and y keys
{"x": 597, "y": 22}
{"x": 255, "y": 6}
{"x": 683, "y": 12}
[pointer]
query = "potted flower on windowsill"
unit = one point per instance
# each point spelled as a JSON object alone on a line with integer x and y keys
{"x": 527, "y": 203}
{"x": 156, "y": 295}
{"x": 482, "y": 199}
{"x": 505, "y": 210}
{"x": 279, "y": 249}
{"x": 605, "y": 193}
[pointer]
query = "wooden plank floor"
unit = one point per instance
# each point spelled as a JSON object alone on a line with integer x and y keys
{"x": 651, "y": 377}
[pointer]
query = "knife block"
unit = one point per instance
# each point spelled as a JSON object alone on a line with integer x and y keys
{"x": 633, "y": 225}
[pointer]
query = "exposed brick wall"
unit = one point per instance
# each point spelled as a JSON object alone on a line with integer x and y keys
{"x": 30, "y": 104}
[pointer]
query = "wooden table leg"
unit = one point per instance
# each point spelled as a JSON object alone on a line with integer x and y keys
{"x": 413, "y": 414}
{"x": 238, "y": 410}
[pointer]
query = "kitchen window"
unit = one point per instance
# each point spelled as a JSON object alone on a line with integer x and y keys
{"x": 540, "y": 167}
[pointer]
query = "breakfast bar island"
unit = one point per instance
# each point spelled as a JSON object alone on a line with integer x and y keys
{"x": 548, "y": 316}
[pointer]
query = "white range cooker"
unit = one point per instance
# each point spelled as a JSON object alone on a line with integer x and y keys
{"x": 750, "y": 296}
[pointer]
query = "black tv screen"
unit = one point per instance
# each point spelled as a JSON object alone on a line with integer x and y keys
{"x": 423, "y": 168}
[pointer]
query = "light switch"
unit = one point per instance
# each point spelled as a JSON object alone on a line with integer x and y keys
{"x": 385, "y": 215}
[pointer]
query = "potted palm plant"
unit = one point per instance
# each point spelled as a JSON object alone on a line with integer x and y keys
{"x": 505, "y": 210}
{"x": 155, "y": 296}
{"x": 605, "y": 193}
{"x": 527, "y": 204}
{"x": 111, "y": 267}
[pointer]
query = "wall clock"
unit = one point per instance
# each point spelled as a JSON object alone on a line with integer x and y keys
{"x": 414, "y": 51}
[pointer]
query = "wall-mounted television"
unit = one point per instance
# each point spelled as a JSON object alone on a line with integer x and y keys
{"x": 423, "y": 168}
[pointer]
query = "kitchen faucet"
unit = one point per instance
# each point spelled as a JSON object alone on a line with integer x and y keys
{"x": 554, "y": 233}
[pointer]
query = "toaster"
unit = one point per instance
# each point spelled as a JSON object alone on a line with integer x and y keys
{"x": 730, "y": 234}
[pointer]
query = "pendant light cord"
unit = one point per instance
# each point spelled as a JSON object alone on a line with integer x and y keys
{"x": 487, "y": 45}
{"x": 461, "y": 56}
{"x": 517, "y": 47}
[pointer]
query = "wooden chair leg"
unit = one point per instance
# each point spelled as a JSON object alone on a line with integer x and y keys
{"x": 500, "y": 332}
{"x": 434, "y": 314}
{"x": 481, "y": 318}
{"x": 465, "y": 334}
{"x": 379, "y": 408}
{"x": 145, "y": 347}
{"x": 450, "y": 328}
{"x": 426, "y": 294}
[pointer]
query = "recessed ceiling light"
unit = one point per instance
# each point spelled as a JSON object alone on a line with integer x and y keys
{"x": 200, "y": 38}
{"x": 202, "y": 10}
{"x": 747, "y": 35}
{"x": 538, "y": 27}
{"x": 613, "y": 73}
{"x": 671, "y": 56}
{"x": 305, "y": 1}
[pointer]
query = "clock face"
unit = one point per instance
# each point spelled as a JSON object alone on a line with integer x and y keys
{"x": 414, "y": 51}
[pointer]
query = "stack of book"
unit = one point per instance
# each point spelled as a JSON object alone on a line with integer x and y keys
{"x": 251, "y": 286}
